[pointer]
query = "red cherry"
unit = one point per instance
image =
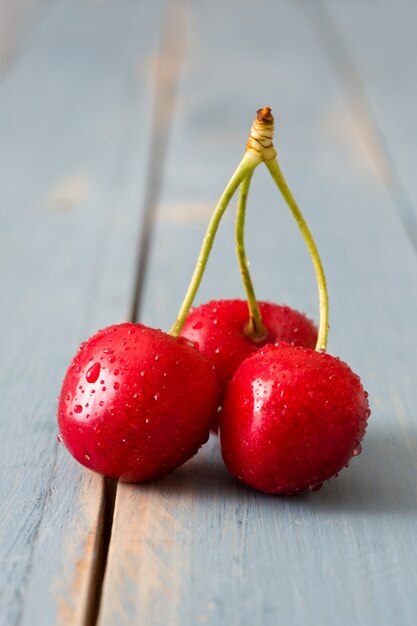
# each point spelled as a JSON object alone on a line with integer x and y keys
{"x": 292, "y": 418}
{"x": 218, "y": 331}
{"x": 136, "y": 402}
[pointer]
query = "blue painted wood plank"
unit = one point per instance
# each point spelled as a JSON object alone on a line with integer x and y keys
{"x": 197, "y": 547}
{"x": 372, "y": 49}
{"x": 74, "y": 145}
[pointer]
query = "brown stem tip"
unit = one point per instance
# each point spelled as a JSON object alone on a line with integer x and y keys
{"x": 264, "y": 116}
{"x": 260, "y": 142}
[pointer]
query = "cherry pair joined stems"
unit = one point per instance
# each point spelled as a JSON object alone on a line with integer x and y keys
{"x": 259, "y": 149}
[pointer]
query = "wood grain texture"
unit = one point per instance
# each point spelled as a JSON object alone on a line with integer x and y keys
{"x": 73, "y": 123}
{"x": 197, "y": 547}
{"x": 372, "y": 49}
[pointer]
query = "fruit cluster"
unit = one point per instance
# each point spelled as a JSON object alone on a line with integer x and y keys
{"x": 137, "y": 402}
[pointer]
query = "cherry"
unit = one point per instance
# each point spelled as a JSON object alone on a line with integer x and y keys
{"x": 136, "y": 402}
{"x": 219, "y": 329}
{"x": 292, "y": 418}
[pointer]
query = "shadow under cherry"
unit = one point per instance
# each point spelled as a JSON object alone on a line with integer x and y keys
{"x": 380, "y": 481}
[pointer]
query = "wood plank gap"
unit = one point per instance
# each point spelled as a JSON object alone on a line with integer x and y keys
{"x": 169, "y": 64}
{"x": 337, "y": 54}
{"x": 73, "y": 150}
{"x": 103, "y": 543}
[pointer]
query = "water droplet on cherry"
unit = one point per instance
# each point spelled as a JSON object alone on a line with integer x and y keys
{"x": 93, "y": 373}
{"x": 186, "y": 342}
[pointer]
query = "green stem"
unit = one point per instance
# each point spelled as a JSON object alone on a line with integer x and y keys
{"x": 245, "y": 167}
{"x": 279, "y": 179}
{"x": 255, "y": 329}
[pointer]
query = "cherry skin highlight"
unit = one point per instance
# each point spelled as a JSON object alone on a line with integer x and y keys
{"x": 218, "y": 329}
{"x": 292, "y": 418}
{"x": 136, "y": 402}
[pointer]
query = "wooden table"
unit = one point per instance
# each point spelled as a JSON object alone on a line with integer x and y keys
{"x": 120, "y": 123}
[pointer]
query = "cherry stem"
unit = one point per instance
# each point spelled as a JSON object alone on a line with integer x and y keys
{"x": 275, "y": 171}
{"x": 248, "y": 163}
{"x": 255, "y": 329}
